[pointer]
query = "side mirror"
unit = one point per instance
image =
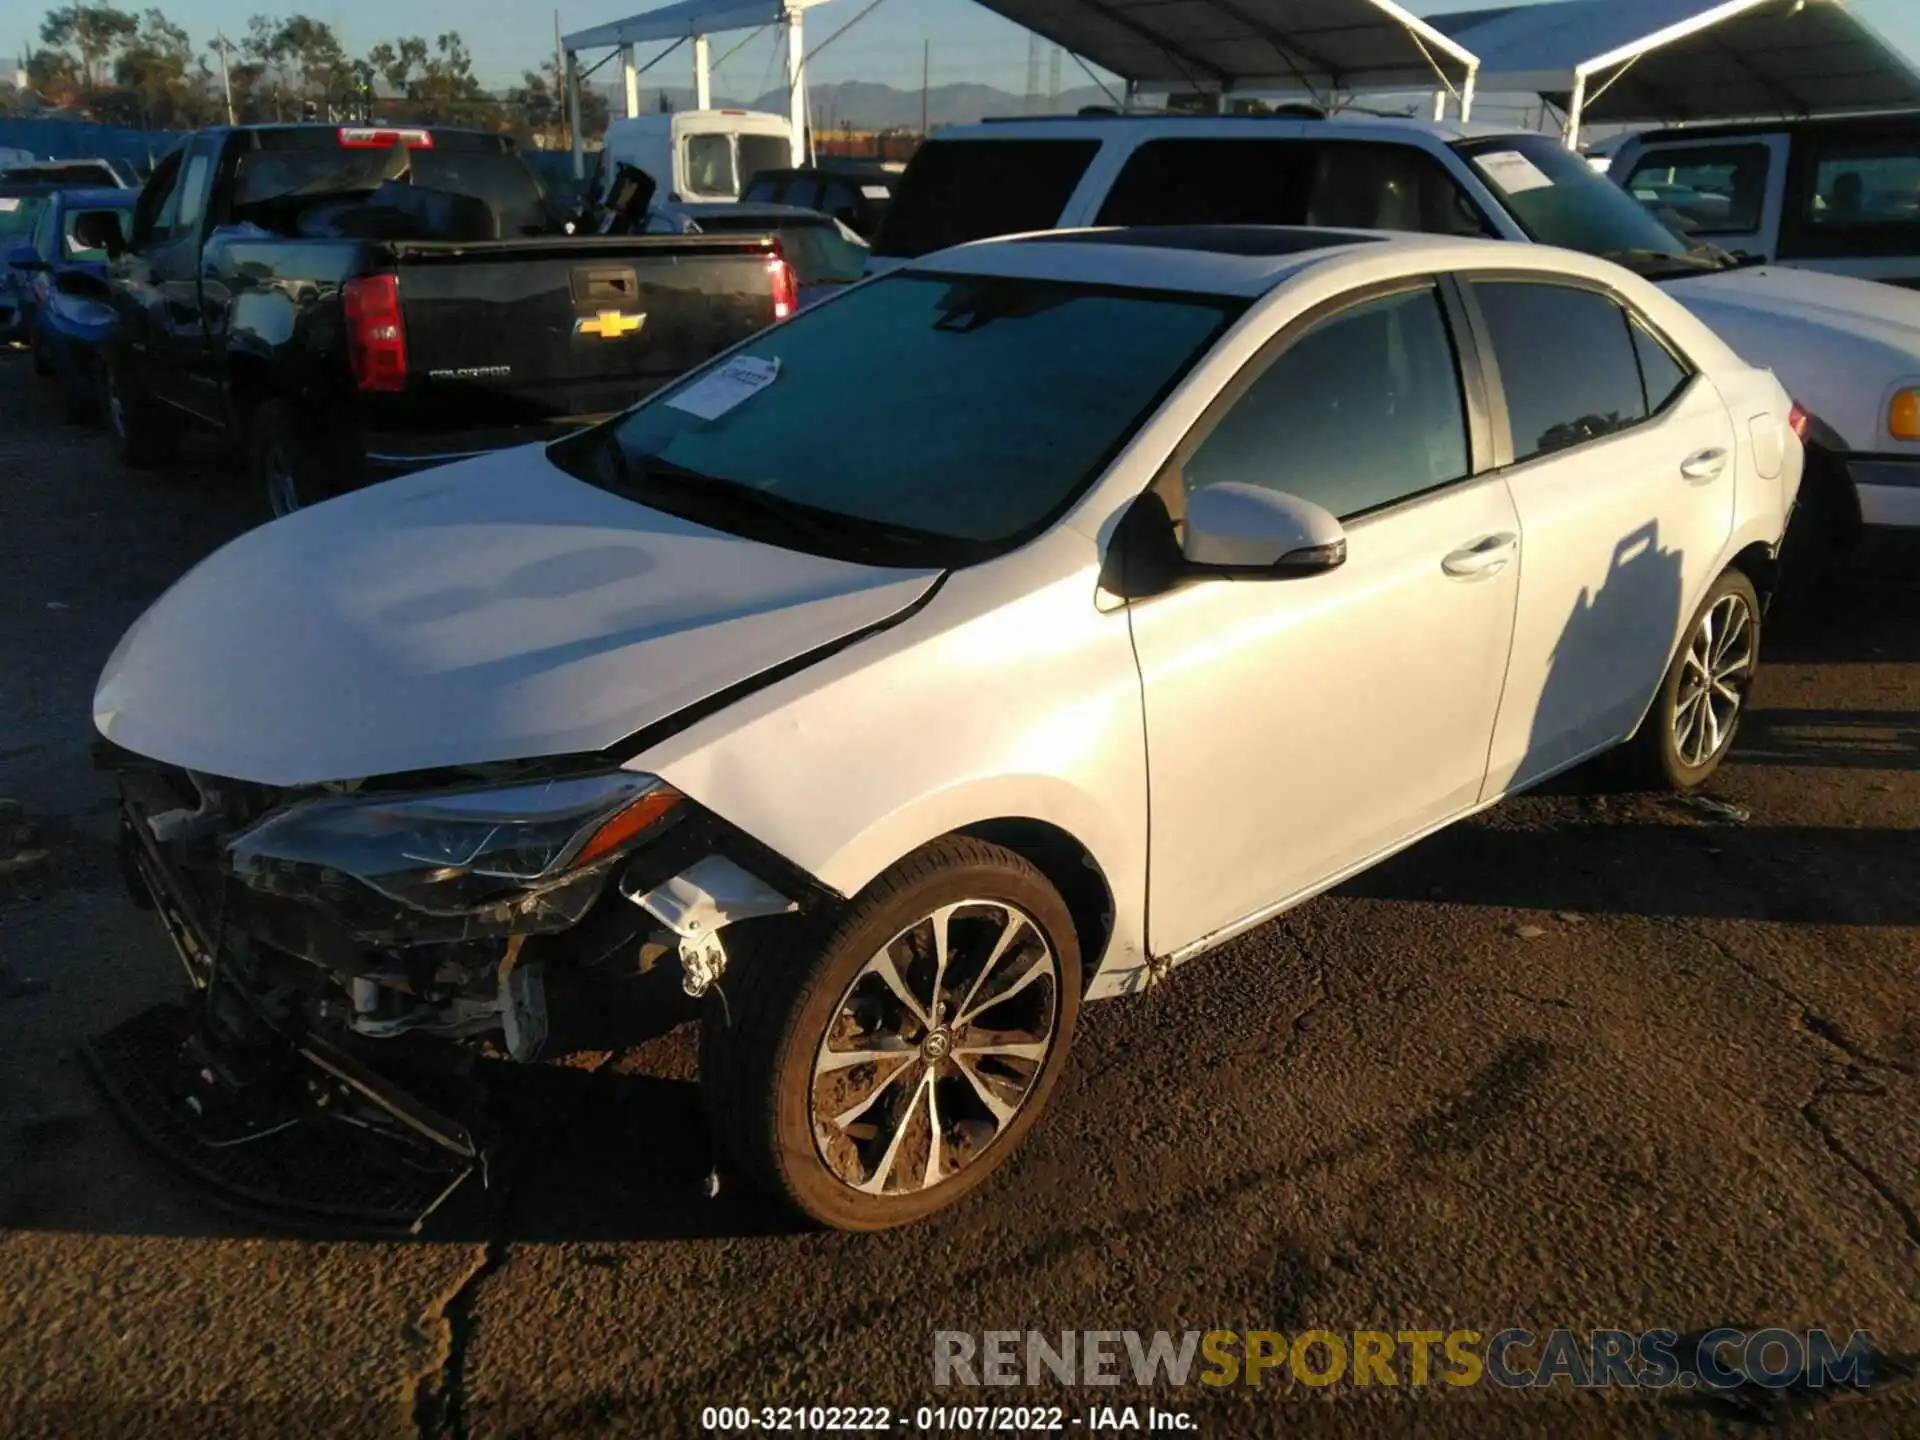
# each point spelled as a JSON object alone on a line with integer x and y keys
{"x": 25, "y": 257}
{"x": 1253, "y": 531}
{"x": 100, "y": 230}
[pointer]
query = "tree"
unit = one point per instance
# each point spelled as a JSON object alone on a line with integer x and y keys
{"x": 299, "y": 59}
{"x": 436, "y": 81}
{"x": 159, "y": 65}
{"x": 88, "y": 35}
{"x": 537, "y": 99}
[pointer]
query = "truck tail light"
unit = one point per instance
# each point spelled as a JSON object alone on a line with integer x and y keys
{"x": 376, "y": 335}
{"x": 1799, "y": 421}
{"x": 786, "y": 294}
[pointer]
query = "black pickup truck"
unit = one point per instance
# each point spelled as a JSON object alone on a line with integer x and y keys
{"x": 353, "y": 302}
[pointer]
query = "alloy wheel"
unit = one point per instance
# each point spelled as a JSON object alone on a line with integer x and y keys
{"x": 1716, "y": 672}
{"x": 276, "y": 474}
{"x": 935, "y": 1047}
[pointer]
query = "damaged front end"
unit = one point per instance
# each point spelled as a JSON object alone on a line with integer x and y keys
{"x": 365, "y": 954}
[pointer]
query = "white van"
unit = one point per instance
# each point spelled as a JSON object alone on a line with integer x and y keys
{"x": 699, "y": 155}
{"x": 1839, "y": 194}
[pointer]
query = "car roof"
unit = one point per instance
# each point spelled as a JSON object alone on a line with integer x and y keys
{"x": 1856, "y": 124}
{"x": 1238, "y": 260}
{"x": 1075, "y": 127}
{"x": 96, "y": 197}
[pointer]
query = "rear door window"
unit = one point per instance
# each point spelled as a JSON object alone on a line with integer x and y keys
{"x": 1710, "y": 190}
{"x": 1568, "y": 363}
{"x": 960, "y": 190}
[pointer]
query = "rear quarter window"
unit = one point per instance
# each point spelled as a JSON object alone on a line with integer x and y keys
{"x": 960, "y": 190}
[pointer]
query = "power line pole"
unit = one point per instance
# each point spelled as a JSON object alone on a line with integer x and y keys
{"x": 1033, "y": 72}
{"x": 926, "y": 58}
{"x": 222, "y": 44}
{"x": 1053, "y": 81}
{"x": 560, "y": 83}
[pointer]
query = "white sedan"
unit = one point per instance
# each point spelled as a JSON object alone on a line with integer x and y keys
{"x": 1166, "y": 579}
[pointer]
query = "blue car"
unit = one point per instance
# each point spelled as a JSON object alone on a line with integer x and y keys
{"x": 21, "y": 205}
{"x": 60, "y": 288}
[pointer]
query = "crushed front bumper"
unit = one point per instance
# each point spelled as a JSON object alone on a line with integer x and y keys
{"x": 273, "y": 1115}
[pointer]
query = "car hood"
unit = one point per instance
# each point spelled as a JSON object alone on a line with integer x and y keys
{"x": 492, "y": 610}
{"x": 1786, "y": 299}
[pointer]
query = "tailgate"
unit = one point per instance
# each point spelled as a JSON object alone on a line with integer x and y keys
{"x": 507, "y": 332}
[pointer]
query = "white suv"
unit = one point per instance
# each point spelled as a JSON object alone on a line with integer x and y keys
{"x": 1846, "y": 349}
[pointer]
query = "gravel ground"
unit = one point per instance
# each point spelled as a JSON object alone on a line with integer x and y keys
{"x": 1593, "y": 1060}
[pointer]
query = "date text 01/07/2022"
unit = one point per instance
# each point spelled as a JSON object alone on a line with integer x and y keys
{"x": 946, "y": 1419}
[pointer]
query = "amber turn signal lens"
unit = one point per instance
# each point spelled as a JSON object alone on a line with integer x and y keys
{"x": 1903, "y": 416}
{"x": 626, "y": 824}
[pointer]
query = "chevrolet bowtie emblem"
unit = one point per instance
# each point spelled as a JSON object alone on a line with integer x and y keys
{"x": 609, "y": 324}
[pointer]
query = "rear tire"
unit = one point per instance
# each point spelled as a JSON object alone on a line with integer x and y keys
{"x": 852, "y": 1144}
{"x": 1697, "y": 711}
{"x": 145, "y": 437}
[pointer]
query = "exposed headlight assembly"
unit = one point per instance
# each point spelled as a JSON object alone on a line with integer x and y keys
{"x": 453, "y": 852}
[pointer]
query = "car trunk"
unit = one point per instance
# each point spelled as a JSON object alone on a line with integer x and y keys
{"x": 509, "y": 332}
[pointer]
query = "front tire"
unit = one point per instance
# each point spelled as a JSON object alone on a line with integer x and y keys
{"x": 144, "y": 439}
{"x": 283, "y": 468}
{"x": 1703, "y": 696}
{"x": 878, "y": 1072}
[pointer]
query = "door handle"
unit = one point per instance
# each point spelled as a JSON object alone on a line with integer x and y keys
{"x": 1705, "y": 466}
{"x": 1486, "y": 556}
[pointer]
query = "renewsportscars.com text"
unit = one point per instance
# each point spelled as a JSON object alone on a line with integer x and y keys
{"x": 1656, "y": 1359}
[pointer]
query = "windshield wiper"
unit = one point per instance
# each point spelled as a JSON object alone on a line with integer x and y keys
{"x": 1664, "y": 264}
{"x": 825, "y": 530}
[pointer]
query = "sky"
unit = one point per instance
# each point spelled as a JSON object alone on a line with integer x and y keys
{"x": 965, "y": 41}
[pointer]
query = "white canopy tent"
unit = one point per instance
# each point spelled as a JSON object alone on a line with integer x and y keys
{"x": 1643, "y": 62}
{"x": 693, "y": 20}
{"x": 1219, "y": 46}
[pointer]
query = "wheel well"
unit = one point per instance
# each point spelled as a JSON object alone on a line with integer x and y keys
{"x": 1760, "y": 565}
{"x": 1070, "y": 868}
{"x": 248, "y": 383}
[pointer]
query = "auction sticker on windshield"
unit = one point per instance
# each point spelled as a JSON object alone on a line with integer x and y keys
{"x": 718, "y": 391}
{"x": 1513, "y": 172}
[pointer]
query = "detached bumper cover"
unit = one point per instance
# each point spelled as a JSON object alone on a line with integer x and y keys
{"x": 278, "y": 1155}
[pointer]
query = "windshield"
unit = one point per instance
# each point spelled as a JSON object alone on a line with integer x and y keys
{"x": 919, "y": 419}
{"x": 1559, "y": 199}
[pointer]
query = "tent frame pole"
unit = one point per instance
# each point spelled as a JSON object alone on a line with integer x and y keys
{"x": 796, "y": 87}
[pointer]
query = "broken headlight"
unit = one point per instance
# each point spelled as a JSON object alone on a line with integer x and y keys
{"x": 454, "y": 851}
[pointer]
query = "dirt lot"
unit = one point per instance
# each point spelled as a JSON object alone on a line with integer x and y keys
{"x": 1595, "y": 1060}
